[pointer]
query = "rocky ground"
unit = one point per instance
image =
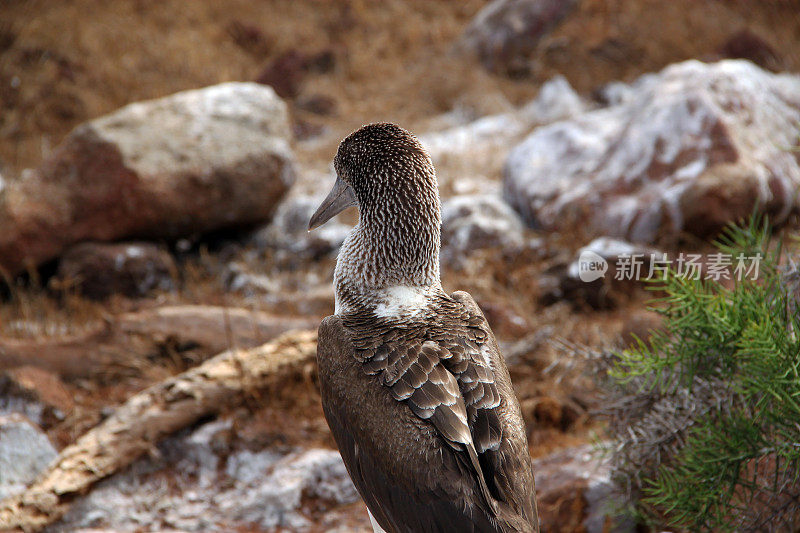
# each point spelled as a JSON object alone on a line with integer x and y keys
{"x": 142, "y": 237}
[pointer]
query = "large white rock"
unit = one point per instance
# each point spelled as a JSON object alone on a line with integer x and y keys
{"x": 689, "y": 149}
{"x": 188, "y": 163}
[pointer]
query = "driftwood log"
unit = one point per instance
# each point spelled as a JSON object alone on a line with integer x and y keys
{"x": 148, "y": 416}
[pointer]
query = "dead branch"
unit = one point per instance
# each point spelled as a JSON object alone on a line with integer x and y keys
{"x": 148, "y": 416}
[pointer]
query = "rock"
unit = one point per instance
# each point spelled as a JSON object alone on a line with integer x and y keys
{"x": 469, "y": 156}
{"x": 189, "y": 163}
{"x": 99, "y": 270}
{"x": 249, "y": 38}
{"x": 505, "y": 33}
{"x": 36, "y": 393}
{"x": 24, "y": 452}
{"x": 575, "y": 493}
{"x": 303, "y": 130}
{"x": 640, "y": 325}
{"x": 197, "y": 482}
{"x": 472, "y": 222}
{"x": 288, "y": 232}
{"x": 693, "y": 148}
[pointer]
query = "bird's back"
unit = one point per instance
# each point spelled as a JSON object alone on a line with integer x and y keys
{"x": 425, "y": 418}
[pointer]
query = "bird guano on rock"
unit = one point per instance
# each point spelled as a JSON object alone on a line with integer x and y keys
{"x": 414, "y": 388}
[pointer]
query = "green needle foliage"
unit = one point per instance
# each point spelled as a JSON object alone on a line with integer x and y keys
{"x": 705, "y": 415}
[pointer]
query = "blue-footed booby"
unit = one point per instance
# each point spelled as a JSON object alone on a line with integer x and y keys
{"x": 414, "y": 388}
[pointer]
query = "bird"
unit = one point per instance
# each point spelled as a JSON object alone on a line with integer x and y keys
{"x": 414, "y": 387}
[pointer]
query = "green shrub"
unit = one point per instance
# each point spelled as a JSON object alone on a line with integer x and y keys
{"x": 705, "y": 415}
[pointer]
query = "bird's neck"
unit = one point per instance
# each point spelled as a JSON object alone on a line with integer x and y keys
{"x": 390, "y": 261}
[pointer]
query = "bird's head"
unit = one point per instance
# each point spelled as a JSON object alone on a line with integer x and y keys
{"x": 385, "y": 171}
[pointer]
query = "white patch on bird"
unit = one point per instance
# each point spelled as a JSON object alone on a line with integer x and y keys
{"x": 401, "y": 301}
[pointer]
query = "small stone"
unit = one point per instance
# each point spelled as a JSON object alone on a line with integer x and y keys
{"x": 318, "y": 104}
{"x": 285, "y": 73}
{"x": 24, "y": 453}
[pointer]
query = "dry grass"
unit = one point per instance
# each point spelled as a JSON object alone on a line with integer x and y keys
{"x": 33, "y": 311}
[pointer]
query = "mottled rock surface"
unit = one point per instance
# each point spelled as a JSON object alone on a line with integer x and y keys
{"x": 690, "y": 149}
{"x": 199, "y": 482}
{"x": 288, "y": 230}
{"x": 473, "y": 222}
{"x": 24, "y": 452}
{"x": 189, "y": 163}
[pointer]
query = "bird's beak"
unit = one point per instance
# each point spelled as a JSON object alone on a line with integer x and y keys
{"x": 340, "y": 198}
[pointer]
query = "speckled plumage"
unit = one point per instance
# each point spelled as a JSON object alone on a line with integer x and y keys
{"x": 414, "y": 388}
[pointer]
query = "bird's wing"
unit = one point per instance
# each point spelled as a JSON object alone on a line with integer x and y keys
{"x": 508, "y": 467}
{"x": 410, "y": 480}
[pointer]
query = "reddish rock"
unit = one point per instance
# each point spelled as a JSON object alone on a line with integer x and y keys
{"x": 99, "y": 270}
{"x": 639, "y": 325}
{"x": 506, "y": 32}
{"x": 189, "y": 163}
